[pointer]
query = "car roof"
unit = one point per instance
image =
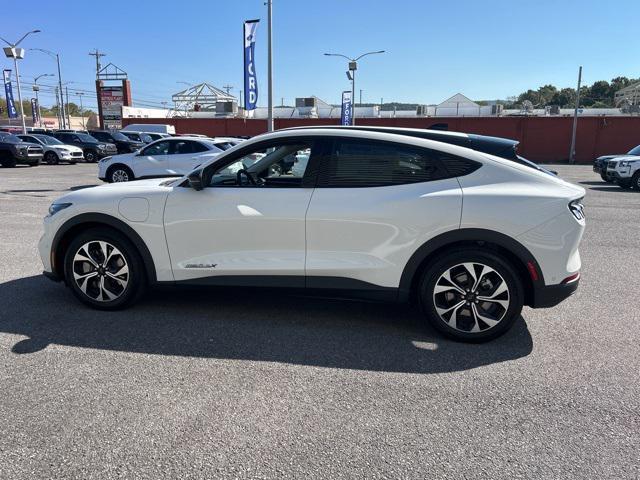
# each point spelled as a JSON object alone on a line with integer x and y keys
{"x": 501, "y": 147}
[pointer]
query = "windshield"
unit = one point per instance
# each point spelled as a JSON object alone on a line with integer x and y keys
{"x": 120, "y": 137}
{"x": 46, "y": 139}
{"x": 10, "y": 139}
{"x": 86, "y": 138}
{"x": 634, "y": 151}
{"x": 146, "y": 138}
{"x": 224, "y": 145}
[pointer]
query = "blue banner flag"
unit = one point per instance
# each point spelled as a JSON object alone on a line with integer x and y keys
{"x": 11, "y": 107}
{"x": 346, "y": 114}
{"x": 35, "y": 114}
{"x": 250, "y": 80}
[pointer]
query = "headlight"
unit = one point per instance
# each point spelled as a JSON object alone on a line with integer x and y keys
{"x": 56, "y": 207}
{"x": 102, "y": 146}
{"x": 23, "y": 151}
{"x": 626, "y": 163}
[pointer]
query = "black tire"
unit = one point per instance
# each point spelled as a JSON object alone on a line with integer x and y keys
{"x": 119, "y": 173}
{"x": 51, "y": 158}
{"x": 95, "y": 297}
{"x": 604, "y": 177}
{"x": 502, "y": 271}
{"x": 635, "y": 181}
{"x": 90, "y": 156}
{"x": 9, "y": 162}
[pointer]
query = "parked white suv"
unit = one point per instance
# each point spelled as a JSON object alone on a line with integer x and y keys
{"x": 470, "y": 236}
{"x": 168, "y": 157}
{"x": 625, "y": 171}
{"x": 54, "y": 150}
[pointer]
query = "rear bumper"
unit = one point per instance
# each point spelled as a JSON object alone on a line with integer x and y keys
{"x": 552, "y": 295}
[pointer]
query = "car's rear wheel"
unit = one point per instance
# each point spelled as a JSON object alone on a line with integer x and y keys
{"x": 51, "y": 158}
{"x": 119, "y": 173}
{"x": 471, "y": 295}
{"x": 104, "y": 269}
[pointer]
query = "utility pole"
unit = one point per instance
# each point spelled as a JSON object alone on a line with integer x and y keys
{"x": 572, "y": 152}
{"x": 81, "y": 109}
{"x": 360, "y": 97}
{"x": 96, "y": 53}
{"x": 36, "y": 88}
{"x": 58, "y": 111}
{"x": 270, "y": 67}
{"x": 227, "y": 88}
{"x": 67, "y": 109}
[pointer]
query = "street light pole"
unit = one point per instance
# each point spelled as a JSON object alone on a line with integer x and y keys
{"x": 269, "y": 67}
{"x": 18, "y": 54}
{"x": 353, "y": 66}
{"x": 36, "y": 88}
{"x": 57, "y": 57}
{"x": 66, "y": 89}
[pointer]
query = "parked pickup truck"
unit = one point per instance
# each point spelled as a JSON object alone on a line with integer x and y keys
{"x": 14, "y": 151}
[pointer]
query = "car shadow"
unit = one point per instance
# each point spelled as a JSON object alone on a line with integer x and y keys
{"x": 247, "y": 325}
{"x": 81, "y": 187}
{"x": 613, "y": 188}
{"x": 602, "y": 182}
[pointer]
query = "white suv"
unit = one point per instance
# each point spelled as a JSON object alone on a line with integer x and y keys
{"x": 625, "y": 171}
{"x": 163, "y": 158}
{"x": 470, "y": 236}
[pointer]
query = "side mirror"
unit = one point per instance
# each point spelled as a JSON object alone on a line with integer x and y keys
{"x": 195, "y": 180}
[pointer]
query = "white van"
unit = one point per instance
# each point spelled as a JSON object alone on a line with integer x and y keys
{"x": 150, "y": 127}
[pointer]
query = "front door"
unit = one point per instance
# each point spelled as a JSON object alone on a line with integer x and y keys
{"x": 247, "y": 226}
{"x": 153, "y": 160}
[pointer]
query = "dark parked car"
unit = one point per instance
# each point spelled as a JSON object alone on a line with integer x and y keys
{"x": 138, "y": 136}
{"x": 600, "y": 163}
{"x": 14, "y": 151}
{"x": 93, "y": 149}
{"x": 122, "y": 142}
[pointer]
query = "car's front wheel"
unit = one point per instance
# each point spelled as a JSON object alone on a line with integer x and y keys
{"x": 635, "y": 181}
{"x": 104, "y": 269}
{"x": 471, "y": 295}
{"x": 119, "y": 173}
{"x": 603, "y": 176}
{"x": 90, "y": 156}
{"x": 51, "y": 158}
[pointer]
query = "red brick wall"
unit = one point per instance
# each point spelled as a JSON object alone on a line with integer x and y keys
{"x": 542, "y": 139}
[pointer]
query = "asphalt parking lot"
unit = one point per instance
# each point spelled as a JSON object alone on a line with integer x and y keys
{"x": 219, "y": 384}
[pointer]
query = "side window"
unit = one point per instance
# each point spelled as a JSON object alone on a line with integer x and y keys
{"x": 281, "y": 165}
{"x": 65, "y": 137}
{"x": 197, "y": 147}
{"x": 103, "y": 137}
{"x": 187, "y": 146}
{"x": 363, "y": 163}
{"x": 158, "y": 148}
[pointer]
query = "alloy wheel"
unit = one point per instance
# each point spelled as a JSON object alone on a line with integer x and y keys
{"x": 119, "y": 175}
{"x": 471, "y": 297}
{"x": 100, "y": 271}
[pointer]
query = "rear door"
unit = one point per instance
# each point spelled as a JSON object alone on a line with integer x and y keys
{"x": 185, "y": 155}
{"x": 375, "y": 203}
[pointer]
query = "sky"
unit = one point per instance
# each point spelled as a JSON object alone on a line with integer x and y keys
{"x": 485, "y": 49}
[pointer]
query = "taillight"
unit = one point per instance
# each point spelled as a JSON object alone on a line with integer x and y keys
{"x": 577, "y": 209}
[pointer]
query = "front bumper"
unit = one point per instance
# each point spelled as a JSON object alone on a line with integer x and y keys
{"x": 551, "y": 295}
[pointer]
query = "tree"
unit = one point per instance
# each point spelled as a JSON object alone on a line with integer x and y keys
{"x": 564, "y": 98}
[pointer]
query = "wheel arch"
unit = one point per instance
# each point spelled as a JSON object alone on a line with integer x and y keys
{"x": 518, "y": 255}
{"x": 85, "y": 221}
{"x": 111, "y": 168}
